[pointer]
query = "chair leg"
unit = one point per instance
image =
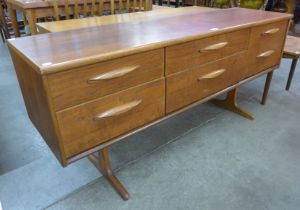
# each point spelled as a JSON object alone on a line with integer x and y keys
{"x": 2, "y": 35}
{"x": 291, "y": 74}
{"x": 6, "y": 31}
{"x": 102, "y": 163}
{"x": 267, "y": 87}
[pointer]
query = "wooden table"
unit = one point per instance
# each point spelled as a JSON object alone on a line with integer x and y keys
{"x": 89, "y": 88}
{"x": 34, "y": 9}
{"x": 157, "y": 12}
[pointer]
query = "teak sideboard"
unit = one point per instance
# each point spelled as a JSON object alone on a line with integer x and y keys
{"x": 87, "y": 89}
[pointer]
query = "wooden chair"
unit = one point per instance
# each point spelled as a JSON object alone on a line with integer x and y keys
{"x": 251, "y": 4}
{"x": 221, "y": 3}
{"x": 291, "y": 51}
{"x": 205, "y": 3}
{"x": 4, "y": 31}
{"x": 6, "y": 25}
{"x": 96, "y": 7}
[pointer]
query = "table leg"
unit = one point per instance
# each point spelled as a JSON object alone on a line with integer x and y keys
{"x": 30, "y": 16}
{"x": 13, "y": 18}
{"x": 2, "y": 35}
{"x": 291, "y": 74}
{"x": 231, "y": 104}
{"x": 267, "y": 87}
{"x": 160, "y": 2}
{"x": 176, "y": 3}
{"x": 102, "y": 163}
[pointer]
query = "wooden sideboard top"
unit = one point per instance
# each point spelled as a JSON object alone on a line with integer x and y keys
{"x": 53, "y": 52}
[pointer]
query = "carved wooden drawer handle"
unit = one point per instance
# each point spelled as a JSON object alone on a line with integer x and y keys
{"x": 212, "y": 75}
{"x": 113, "y": 74}
{"x": 213, "y": 47}
{"x": 118, "y": 110}
{"x": 266, "y": 54}
{"x": 270, "y": 31}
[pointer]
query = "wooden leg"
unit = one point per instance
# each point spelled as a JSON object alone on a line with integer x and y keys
{"x": 13, "y": 19}
{"x": 102, "y": 163}
{"x": 291, "y": 74}
{"x": 6, "y": 31}
{"x": 231, "y": 104}
{"x": 2, "y": 35}
{"x": 3, "y": 25}
{"x": 31, "y": 21}
{"x": 267, "y": 87}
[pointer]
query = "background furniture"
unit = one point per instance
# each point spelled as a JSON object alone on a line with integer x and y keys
{"x": 34, "y": 9}
{"x": 157, "y": 12}
{"x": 2, "y": 22}
{"x": 4, "y": 30}
{"x": 296, "y": 11}
{"x": 144, "y": 72}
{"x": 221, "y": 3}
{"x": 280, "y": 6}
{"x": 291, "y": 51}
{"x": 7, "y": 24}
{"x": 251, "y": 4}
{"x": 100, "y": 8}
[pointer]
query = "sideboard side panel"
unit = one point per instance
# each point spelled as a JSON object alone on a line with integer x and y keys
{"x": 36, "y": 102}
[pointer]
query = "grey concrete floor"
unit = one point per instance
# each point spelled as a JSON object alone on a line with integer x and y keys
{"x": 205, "y": 158}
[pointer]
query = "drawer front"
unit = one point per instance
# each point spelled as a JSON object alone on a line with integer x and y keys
{"x": 266, "y": 44}
{"x": 190, "y": 86}
{"x": 77, "y": 86}
{"x": 90, "y": 124}
{"x": 188, "y": 55}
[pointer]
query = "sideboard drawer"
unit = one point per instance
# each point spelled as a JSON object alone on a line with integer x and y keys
{"x": 88, "y": 125}
{"x": 79, "y": 85}
{"x": 266, "y": 44}
{"x": 188, "y": 55}
{"x": 190, "y": 86}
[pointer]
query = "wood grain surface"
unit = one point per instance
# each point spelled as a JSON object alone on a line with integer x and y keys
{"x": 265, "y": 50}
{"x": 197, "y": 83}
{"x": 53, "y": 52}
{"x": 156, "y": 13}
{"x": 82, "y": 127}
{"x": 187, "y": 55}
{"x": 292, "y": 46}
{"x": 74, "y": 87}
